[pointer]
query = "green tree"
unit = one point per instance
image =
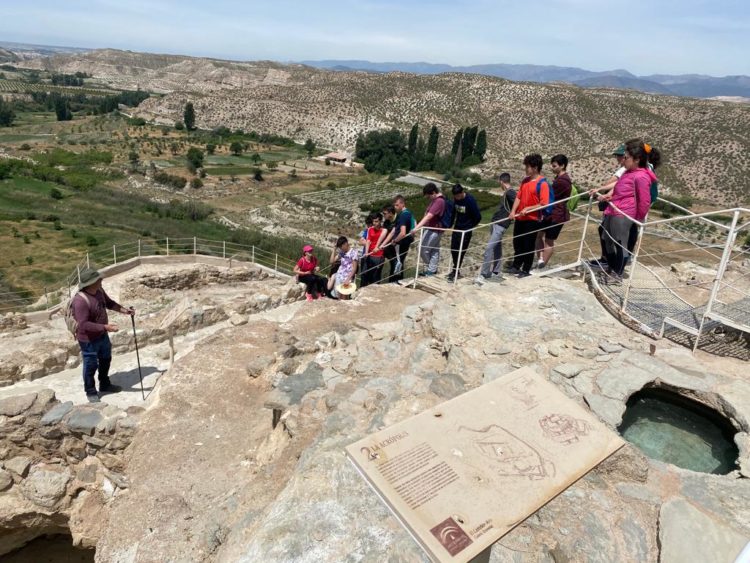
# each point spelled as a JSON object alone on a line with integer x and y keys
{"x": 272, "y": 165}
{"x": 133, "y": 157}
{"x": 310, "y": 147}
{"x": 7, "y": 115}
{"x": 432, "y": 145}
{"x": 469, "y": 140}
{"x": 457, "y": 141}
{"x": 210, "y": 148}
{"x": 413, "y": 136}
{"x": 179, "y": 125}
{"x": 255, "y": 157}
{"x": 481, "y": 147}
{"x": 62, "y": 109}
{"x": 257, "y": 175}
{"x": 236, "y": 148}
{"x": 194, "y": 159}
{"x": 189, "y": 116}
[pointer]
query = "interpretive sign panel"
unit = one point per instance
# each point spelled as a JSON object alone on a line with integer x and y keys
{"x": 461, "y": 475}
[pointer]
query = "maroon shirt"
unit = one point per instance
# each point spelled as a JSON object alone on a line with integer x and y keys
{"x": 562, "y": 187}
{"x": 437, "y": 208}
{"x": 90, "y": 312}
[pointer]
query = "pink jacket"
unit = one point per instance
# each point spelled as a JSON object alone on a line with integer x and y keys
{"x": 632, "y": 194}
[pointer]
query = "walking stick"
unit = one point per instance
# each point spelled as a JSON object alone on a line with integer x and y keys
{"x": 137, "y": 356}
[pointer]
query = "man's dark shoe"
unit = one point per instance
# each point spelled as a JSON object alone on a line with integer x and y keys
{"x": 93, "y": 398}
{"x": 111, "y": 388}
{"x": 523, "y": 274}
{"x": 513, "y": 271}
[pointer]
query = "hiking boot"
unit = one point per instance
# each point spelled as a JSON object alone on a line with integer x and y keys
{"x": 496, "y": 278}
{"x": 513, "y": 271}
{"x": 93, "y": 398}
{"x": 600, "y": 263}
{"x": 480, "y": 279}
{"x": 111, "y": 388}
{"x": 523, "y": 274}
{"x": 540, "y": 265}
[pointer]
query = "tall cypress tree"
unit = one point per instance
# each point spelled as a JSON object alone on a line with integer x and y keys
{"x": 481, "y": 147}
{"x": 189, "y": 116}
{"x": 432, "y": 143}
{"x": 413, "y": 136}
{"x": 457, "y": 141}
{"x": 470, "y": 138}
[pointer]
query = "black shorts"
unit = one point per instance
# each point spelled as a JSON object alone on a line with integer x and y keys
{"x": 552, "y": 230}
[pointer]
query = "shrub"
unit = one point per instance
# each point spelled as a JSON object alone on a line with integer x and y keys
{"x": 196, "y": 183}
{"x": 29, "y": 260}
{"x": 179, "y": 125}
{"x": 54, "y": 193}
{"x": 25, "y": 147}
{"x": 176, "y": 182}
{"x": 91, "y": 241}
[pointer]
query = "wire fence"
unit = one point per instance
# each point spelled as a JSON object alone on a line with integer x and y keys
{"x": 54, "y": 293}
{"x": 674, "y": 282}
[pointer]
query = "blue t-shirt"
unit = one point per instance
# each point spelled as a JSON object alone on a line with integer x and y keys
{"x": 404, "y": 219}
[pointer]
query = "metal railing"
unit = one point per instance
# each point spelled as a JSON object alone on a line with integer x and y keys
{"x": 644, "y": 299}
{"x": 21, "y": 301}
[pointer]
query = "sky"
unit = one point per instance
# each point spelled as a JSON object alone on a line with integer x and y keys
{"x": 642, "y": 36}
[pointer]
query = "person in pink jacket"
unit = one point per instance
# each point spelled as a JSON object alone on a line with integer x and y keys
{"x": 630, "y": 199}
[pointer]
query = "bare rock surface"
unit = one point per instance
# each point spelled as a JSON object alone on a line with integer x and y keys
{"x": 339, "y": 371}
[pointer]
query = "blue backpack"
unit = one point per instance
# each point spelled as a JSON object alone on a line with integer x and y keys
{"x": 446, "y": 221}
{"x": 547, "y": 211}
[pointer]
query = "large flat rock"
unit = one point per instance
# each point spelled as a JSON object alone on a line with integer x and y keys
{"x": 688, "y": 534}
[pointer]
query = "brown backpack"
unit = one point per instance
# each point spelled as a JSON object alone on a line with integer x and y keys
{"x": 70, "y": 320}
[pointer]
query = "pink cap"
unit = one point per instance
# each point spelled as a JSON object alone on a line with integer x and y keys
{"x": 307, "y": 248}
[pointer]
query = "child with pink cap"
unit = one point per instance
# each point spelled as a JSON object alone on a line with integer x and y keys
{"x": 306, "y": 269}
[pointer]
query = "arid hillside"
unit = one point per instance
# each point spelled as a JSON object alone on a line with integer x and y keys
{"x": 704, "y": 141}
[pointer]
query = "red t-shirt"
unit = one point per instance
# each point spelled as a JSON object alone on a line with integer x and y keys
{"x": 527, "y": 197}
{"x": 307, "y": 266}
{"x": 373, "y": 235}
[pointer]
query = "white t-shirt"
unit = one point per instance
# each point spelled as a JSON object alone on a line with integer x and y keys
{"x": 619, "y": 172}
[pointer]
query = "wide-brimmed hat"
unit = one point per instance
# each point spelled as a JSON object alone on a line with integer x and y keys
{"x": 619, "y": 151}
{"x": 307, "y": 248}
{"x": 87, "y": 277}
{"x": 347, "y": 289}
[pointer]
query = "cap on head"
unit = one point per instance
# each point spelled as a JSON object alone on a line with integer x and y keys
{"x": 619, "y": 151}
{"x": 307, "y": 248}
{"x": 88, "y": 277}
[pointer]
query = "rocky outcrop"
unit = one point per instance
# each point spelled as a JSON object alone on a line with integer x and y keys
{"x": 338, "y": 371}
{"x": 60, "y": 467}
{"x": 182, "y": 301}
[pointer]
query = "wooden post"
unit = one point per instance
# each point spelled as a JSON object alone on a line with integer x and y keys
{"x": 167, "y": 246}
{"x": 114, "y": 252}
{"x": 195, "y": 245}
{"x": 139, "y": 248}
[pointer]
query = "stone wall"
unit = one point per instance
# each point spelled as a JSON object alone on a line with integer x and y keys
{"x": 60, "y": 465}
{"x": 200, "y": 276}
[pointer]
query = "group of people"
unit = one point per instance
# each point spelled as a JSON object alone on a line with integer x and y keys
{"x": 385, "y": 243}
{"x": 538, "y": 210}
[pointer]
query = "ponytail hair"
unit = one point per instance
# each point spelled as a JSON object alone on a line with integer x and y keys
{"x": 637, "y": 149}
{"x": 654, "y": 157}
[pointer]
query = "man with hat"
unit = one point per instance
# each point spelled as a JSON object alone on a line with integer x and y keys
{"x": 90, "y": 306}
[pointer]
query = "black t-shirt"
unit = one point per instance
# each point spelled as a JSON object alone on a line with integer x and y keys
{"x": 503, "y": 210}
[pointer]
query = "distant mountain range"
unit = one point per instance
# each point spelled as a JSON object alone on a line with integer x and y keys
{"x": 693, "y": 85}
